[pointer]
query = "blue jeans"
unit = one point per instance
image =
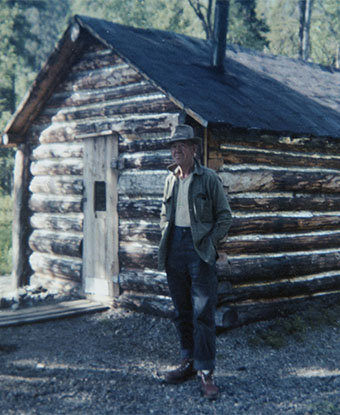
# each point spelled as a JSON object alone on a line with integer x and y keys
{"x": 193, "y": 288}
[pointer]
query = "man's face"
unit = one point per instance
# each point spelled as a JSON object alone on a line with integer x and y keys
{"x": 183, "y": 153}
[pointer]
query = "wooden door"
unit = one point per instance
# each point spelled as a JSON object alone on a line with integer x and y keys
{"x": 100, "y": 246}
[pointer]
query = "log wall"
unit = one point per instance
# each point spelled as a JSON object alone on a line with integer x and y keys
{"x": 101, "y": 93}
{"x": 283, "y": 248}
{"x": 283, "y": 245}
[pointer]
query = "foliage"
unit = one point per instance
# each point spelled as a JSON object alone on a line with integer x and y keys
{"x": 6, "y": 170}
{"x": 5, "y": 235}
{"x": 283, "y": 20}
{"x": 159, "y": 14}
{"x": 244, "y": 26}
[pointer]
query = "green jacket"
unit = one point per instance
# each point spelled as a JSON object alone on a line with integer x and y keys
{"x": 210, "y": 214}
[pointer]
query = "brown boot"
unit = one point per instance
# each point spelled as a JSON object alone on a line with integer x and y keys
{"x": 184, "y": 372}
{"x": 208, "y": 387}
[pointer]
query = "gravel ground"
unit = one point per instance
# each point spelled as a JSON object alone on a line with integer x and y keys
{"x": 112, "y": 363}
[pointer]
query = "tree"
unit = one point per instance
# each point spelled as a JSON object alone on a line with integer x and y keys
{"x": 244, "y": 26}
{"x": 159, "y": 14}
{"x": 325, "y": 32}
{"x": 282, "y": 17}
{"x": 305, "y": 7}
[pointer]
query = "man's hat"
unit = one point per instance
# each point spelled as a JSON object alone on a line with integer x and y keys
{"x": 184, "y": 132}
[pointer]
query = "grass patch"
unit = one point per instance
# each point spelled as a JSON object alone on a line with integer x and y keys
{"x": 283, "y": 329}
{"x": 5, "y": 235}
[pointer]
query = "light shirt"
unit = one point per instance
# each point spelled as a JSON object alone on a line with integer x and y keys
{"x": 182, "y": 217}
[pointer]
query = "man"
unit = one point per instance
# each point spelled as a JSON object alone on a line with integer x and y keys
{"x": 195, "y": 215}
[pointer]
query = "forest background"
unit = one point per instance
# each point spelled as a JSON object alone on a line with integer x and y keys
{"x": 29, "y": 30}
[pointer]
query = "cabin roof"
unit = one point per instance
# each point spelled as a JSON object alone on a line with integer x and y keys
{"x": 256, "y": 91}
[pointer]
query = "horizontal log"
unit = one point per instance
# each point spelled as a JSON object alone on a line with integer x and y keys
{"x": 137, "y": 256}
{"x": 121, "y": 74}
{"x": 229, "y": 316}
{"x": 56, "y": 266}
{"x": 283, "y": 222}
{"x": 151, "y": 282}
{"x": 96, "y": 60}
{"x": 273, "y": 202}
{"x": 258, "y": 243}
{"x": 148, "y": 160}
{"x": 58, "y": 150}
{"x": 54, "y": 283}
{"x": 146, "y": 142}
{"x": 243, "y": 179}
{"x": 56, "y": 204}
{"x": 287, "y": 288}
{"x": 72, "y": 166}
{"x": 245, "y": 155}
{"x": 151, "y": 304}
{"x": 251, "y": 230}
{"x": 236, "y": 315}
{"x": 141, "y": 208}
{"x": 271, "y": 267}
{"x": 66, "y": 185}
{"x": 135, "y": 231}
{"x": 56, "y": 243}
{"x": 63, "y": 223}
{"x": 141, "y": 183}
{"x": 152, "y": 103}
{"x": 129, "y": 127}
{"x": 254, "y": 139}
{"x": 75, "y": 99}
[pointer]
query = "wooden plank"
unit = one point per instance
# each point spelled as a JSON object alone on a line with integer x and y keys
{"x": 100, "y": 255}
{"x": 49, "y": 312}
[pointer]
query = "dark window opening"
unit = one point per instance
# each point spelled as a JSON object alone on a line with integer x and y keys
{"x": 99, "y": 196}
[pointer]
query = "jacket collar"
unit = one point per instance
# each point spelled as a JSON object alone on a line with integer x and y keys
{"x": 174, "y": 168}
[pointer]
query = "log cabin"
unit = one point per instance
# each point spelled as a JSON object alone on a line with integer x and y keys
{"x": 91, "y": 156}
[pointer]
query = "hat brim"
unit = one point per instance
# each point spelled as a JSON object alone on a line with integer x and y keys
{"x": 195, "y": 140}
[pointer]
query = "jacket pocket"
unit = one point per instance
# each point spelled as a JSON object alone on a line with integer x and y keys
{"x": 203, "y": 208}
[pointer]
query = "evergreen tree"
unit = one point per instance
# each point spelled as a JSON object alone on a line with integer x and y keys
{"x": 325, "y": 32}
{"x": 159, "y": 14}
{"x": 244, "y": 26}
